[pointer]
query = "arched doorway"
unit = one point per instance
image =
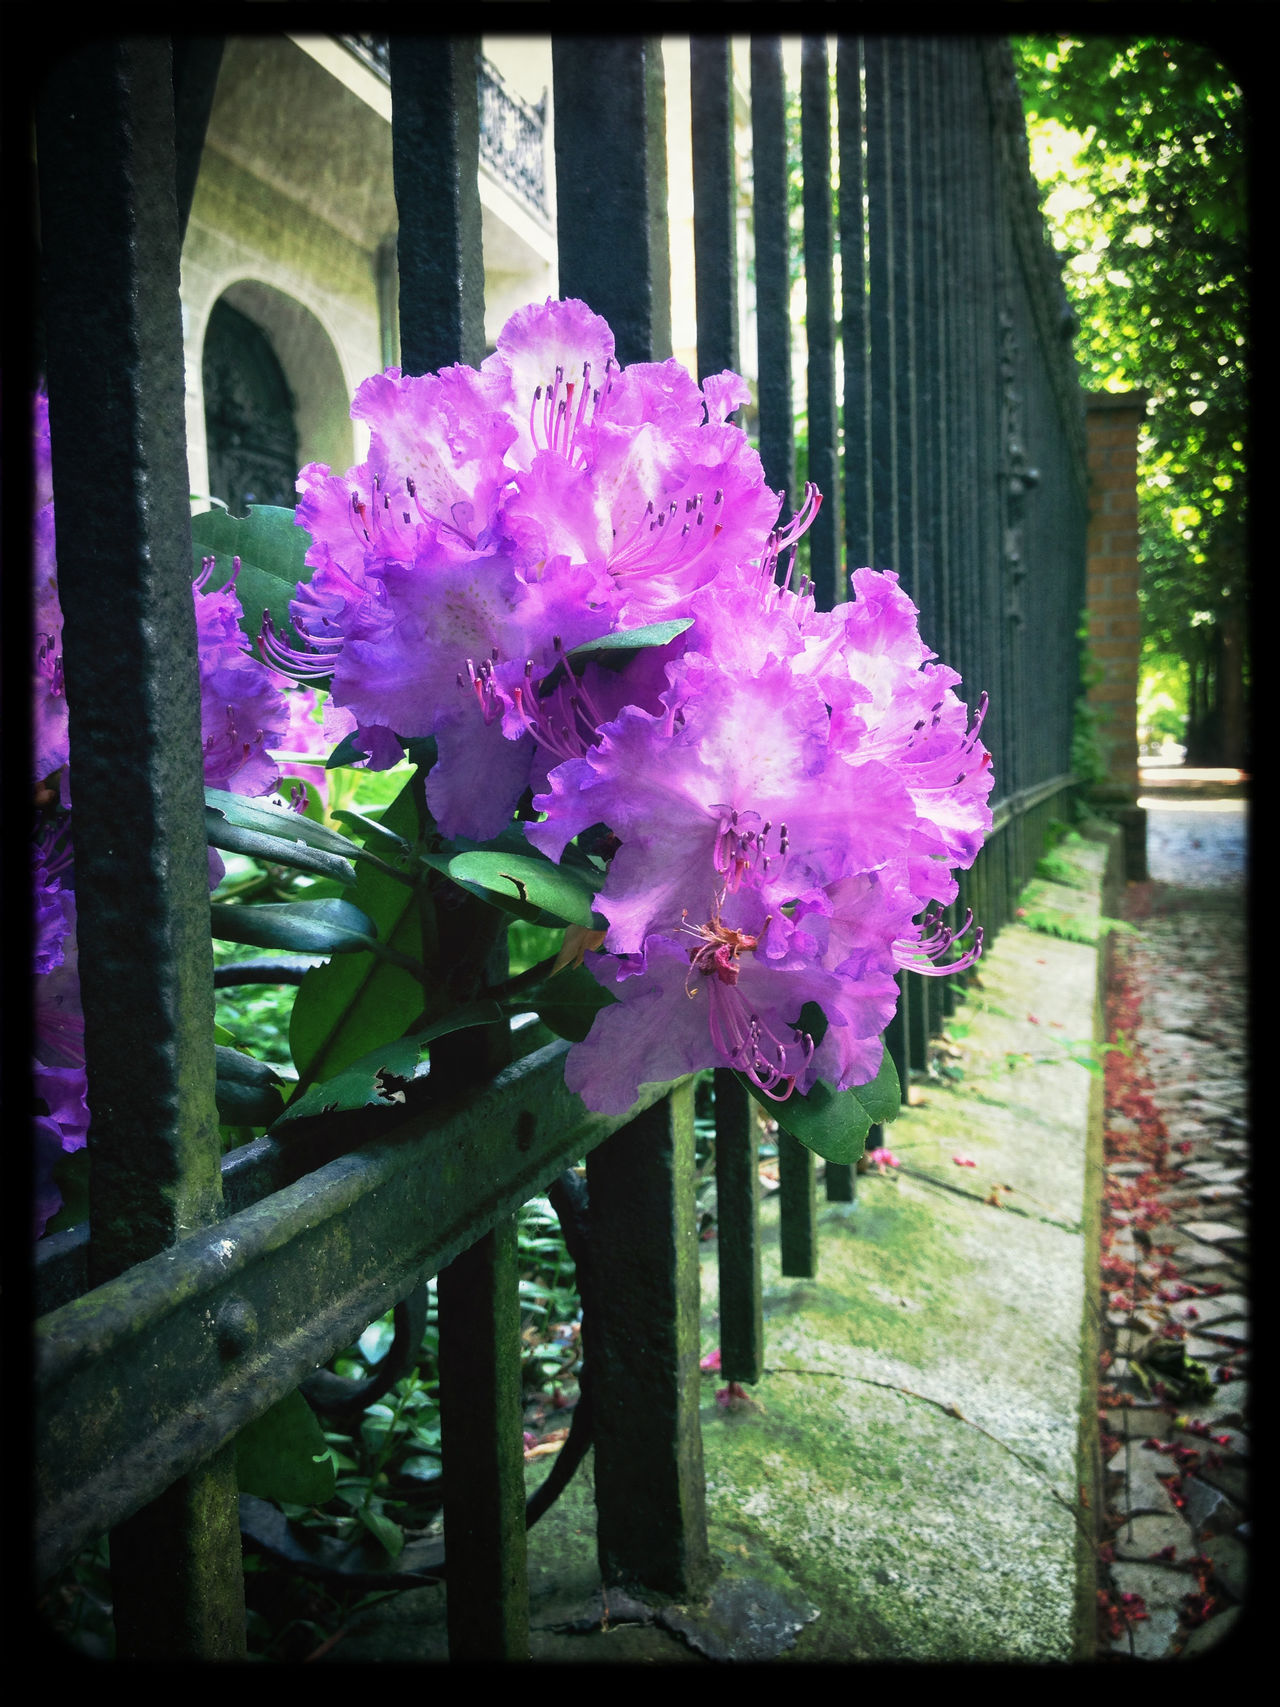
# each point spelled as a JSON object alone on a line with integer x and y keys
{"x": 252, "y": 432}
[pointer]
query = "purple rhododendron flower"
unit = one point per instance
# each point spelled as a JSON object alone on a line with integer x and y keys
{"x": 784, "y": 818}
{"x": 788, "y": 792}
{"x": 243, "y": 704}
{"x": 502, "y": 518}
{"x": 48, "y": 699}
{"x": 304, "y": 735}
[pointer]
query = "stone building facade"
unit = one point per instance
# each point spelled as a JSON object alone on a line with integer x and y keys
{"x": 288, "y": 267}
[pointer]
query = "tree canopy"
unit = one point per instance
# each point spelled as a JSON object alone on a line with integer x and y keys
{"x": 1140, "y": 148}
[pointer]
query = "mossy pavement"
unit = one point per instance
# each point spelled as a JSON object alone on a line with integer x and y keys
{"x": 916, "y": 1470}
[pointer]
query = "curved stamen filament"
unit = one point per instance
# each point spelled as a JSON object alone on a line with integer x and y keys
{"x": 566, "y": 721}
{"x": 936, "y": 937}
{"x": 564, "y": 424}
{"x": 315, "y": 664}
{"x": 666, "y": 540}
{"x": 748, "y": 1043}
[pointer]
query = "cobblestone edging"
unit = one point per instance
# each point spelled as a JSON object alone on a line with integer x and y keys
{"x": 1174, "y": 1382}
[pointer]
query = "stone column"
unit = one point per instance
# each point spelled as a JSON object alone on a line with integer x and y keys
{"x": 1112, "y": 422}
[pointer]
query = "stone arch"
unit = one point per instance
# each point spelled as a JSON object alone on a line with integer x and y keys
{"x": 296, "y": 373}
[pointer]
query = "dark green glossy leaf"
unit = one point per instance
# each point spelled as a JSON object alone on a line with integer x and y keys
{"x": 614, "y": 651}
{"x": 233, "y": 838}
{"x": 834, "y": 1124}
{"x": 271, "y": 548}
{"x": 421, "y": 750}
{"x": 237, "y": 1068}
{"x": 526, "y": 883}
{"x": 376, "y": 1079}
{"x": 373, "y": 830}
{"x": 282, "y": 1456}
{"x": 569, "y": 1001}
{"x": 279, "y": 822}
{"x": 247, "y": 1091}
{"x": 356, "y": 1004}
{"x": 308, "y": 927}
{"x": 388, "y": 1533}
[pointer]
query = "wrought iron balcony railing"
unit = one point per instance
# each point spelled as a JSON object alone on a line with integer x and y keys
{"x": 512, "y": 132}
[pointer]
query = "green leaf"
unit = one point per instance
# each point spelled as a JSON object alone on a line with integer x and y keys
{"x": 383, "y": 1529}
{"x": 526, "y": 883}
{"x": 232, "y": 838}
{"x": 834, "y": 1124}
{"x": 282, "y": 1456}
{"x": 569, "y": 1001}
{"x": 278, "y": 821}
{"x": 232, "y": 814}
{"x": 308, "y": 927}
{"x": 372, "y": 1081}
{"x": 247, "y": 1090}
{"x": 373, "y": 830}
{"x": 614, "y": 651}
{"x": 271, "y": 548}
{"x": 356, "y": 1004}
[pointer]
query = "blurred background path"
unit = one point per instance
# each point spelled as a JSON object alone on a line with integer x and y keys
{"x": 1174, "y": 1383}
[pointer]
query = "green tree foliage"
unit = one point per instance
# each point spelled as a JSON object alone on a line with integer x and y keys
{"x": 1140, "y": 149}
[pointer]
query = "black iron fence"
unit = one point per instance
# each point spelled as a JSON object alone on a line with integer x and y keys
{"x": 203, "y": 1291}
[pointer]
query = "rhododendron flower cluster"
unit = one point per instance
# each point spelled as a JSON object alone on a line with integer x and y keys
{"x": 504, "y": 517}
{"x": 787, "y": 791}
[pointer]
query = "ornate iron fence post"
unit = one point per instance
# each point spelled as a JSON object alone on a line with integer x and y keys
{"x": 109, "y": 235}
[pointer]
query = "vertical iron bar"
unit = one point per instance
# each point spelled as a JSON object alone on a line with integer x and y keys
{"x": 109, "y": 232}
{"x": 435, "y": 136}
{"x": 855, "y": 321}
{"x": 642, "y": 1337}
{"x": 885, "y": 552}
{"x": 901, "y": 219}
{"x": 715, "y": 224}
{"x": 642, "y": 1345}
{"x": 773, "y": 281}
{"x": 480, "y": 1414}
{"x": 611, "y": 186}
{"x": 918, "y": 1022}
{"x": 856, "y": 449}
{"x": 900, "y": 1030}
{"x": 932, "y": 397}
{"x": 435, "y": 153}
{"x": 738, "y": 1230}
{"x": 938, "y": 405}
{"x": 798, "y": 1189}
{"x": 177, "y": 1584}
{"x": 196, "y": 60}
{"x": 820, "y": 323}
{"x": 840, "y": 1182}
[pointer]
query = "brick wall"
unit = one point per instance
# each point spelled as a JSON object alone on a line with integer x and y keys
{"x": 1112, "y": 421}
{"x": 1111, "y": 598}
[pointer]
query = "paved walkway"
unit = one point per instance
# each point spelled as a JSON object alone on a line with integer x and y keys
{"x": 1174, "y": 1386}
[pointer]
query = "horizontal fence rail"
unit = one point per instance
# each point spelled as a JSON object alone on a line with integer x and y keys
{"x": 944, "y": 426}
{"x": 145, "y": 1375}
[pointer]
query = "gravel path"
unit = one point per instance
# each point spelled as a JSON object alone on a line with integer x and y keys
{"x": 1174, "y": 1388}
